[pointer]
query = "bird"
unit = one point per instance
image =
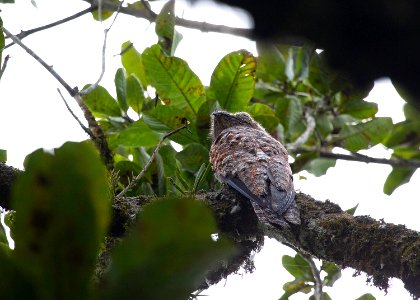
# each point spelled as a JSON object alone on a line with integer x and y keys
{"x": 249, "y": 160}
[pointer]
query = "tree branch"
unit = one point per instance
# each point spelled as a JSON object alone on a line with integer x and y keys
{"x": 85, "y": 129}
{"x": 98, "y": 133}
{"x": 202, "y": 26}
{"x": 394, "y": 162}
{"x": 25, "y": 33}
{"x": 409, "y": 163}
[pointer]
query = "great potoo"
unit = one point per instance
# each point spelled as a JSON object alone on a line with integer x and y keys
{"x": 245, "y": 157}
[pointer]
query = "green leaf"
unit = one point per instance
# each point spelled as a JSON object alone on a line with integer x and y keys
{"x": 166, "y": 118}
{"x": 411, "y": 112}
{"x": 169, "y": 38}
{"x": 365, "y": 135}
{"x": 144, "y": 265}
{"x": 406, "y": 132}
{"x": 297, "y": 267}
{"x": 325, "y": 296}
{"x": 293, "y": 287}
{"x": 175, "y": 83}
{"x": 294, "y": 113}
{"x": 297, "y": 63}
{"x": 105, "y": 13}
{"x": 324, "y": 124}
{"x": 360, "y": 109}
{"x": 137, "y": 134}
{"x": 320, "y": 166}
{"x": 264, "y": 115}
{"x": 132, "y": 61}
{"x": 101, "y": 103}
{"x": 200, "y": 176}
{"x": 366, "y": 297}
{"x": 135, "y": 94}
{"x": 7, "y": 1}
{"x": 271, "y": 62}
{"x": 333, "y": 272}
{"x": 192, "y": 157}
{"x": 63, "y": 204}
{"x": 233, "y": 80}
{"x": 352, "y": 210}
{"x": 397, "y": 177}
{"x": 3, "y": 155}
{"x": 121, "y": 87}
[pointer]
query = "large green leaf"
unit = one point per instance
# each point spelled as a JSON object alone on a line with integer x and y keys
{"x": 192, "y": 157}
{"x": 135, "y": 93}
{"x": 169, "y": 38}
{"x": 297, "y": 267}
{"x": 132, "y": 62}
{"x": 264, "y": 115}
{"x": 271, "y": 62}
{"x": 166, "y": 118}
{"x": 397, "y": 177}
{"x": 137, "y": 134}
{"x": 319, "y": 166}
{"x": 167, "y": 253}
{"x": 365, "y": 135}
{"x": 297, "y": 63}
{"x": 289, "y": 110}
{"x": 333, "y": 273}
{"x": 233, "y": 80}
{"x": 121, "y": 87}
{"x": 360, "y": 109}
{"x": 63, "y": 204}
{"x": 366, "y": 297}
{"x": 175, "y": 83}
{"x": 105, "y": 13}
{"x": 406, "y": 132}
{"x": 101, "y": 103}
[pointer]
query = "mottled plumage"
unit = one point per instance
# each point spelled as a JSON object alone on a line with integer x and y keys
{"x": 248, "y": 159}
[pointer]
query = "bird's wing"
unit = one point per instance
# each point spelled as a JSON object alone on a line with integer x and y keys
{"x": 238, "y": 185}
{"x": 280, "y": 197}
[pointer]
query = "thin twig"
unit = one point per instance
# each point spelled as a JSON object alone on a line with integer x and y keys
{"x": 315, "y": 273}
{"x": 147, "y": 165}
{"x": 407, "y": 163}
{"x": 75, "y": 117}
{"x": 25, "y": 33}
{"x": 95, "y": 85}
{"x": 3, "y": 67}
{"x": 49, "y": 68}
{"x": 310, "y": 127}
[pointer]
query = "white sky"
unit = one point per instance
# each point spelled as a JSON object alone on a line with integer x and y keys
{"x": 32, "y": 115}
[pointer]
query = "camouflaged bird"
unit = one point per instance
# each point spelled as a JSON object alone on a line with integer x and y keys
{"x": 248, "y": 159}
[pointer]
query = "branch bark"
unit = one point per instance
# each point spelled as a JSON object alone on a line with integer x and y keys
{"x": 408, "y": 163}
{"x": 381, "y": 250}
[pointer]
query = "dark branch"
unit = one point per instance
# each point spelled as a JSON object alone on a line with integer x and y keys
{"x": 357, "y": 157}
{"x": 409, "y": 163}
{"x": 151, "y": 17}
{"x": 25, "y": 33}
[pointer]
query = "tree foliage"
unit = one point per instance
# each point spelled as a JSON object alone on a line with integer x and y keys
{"x": 62, "y": 200}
